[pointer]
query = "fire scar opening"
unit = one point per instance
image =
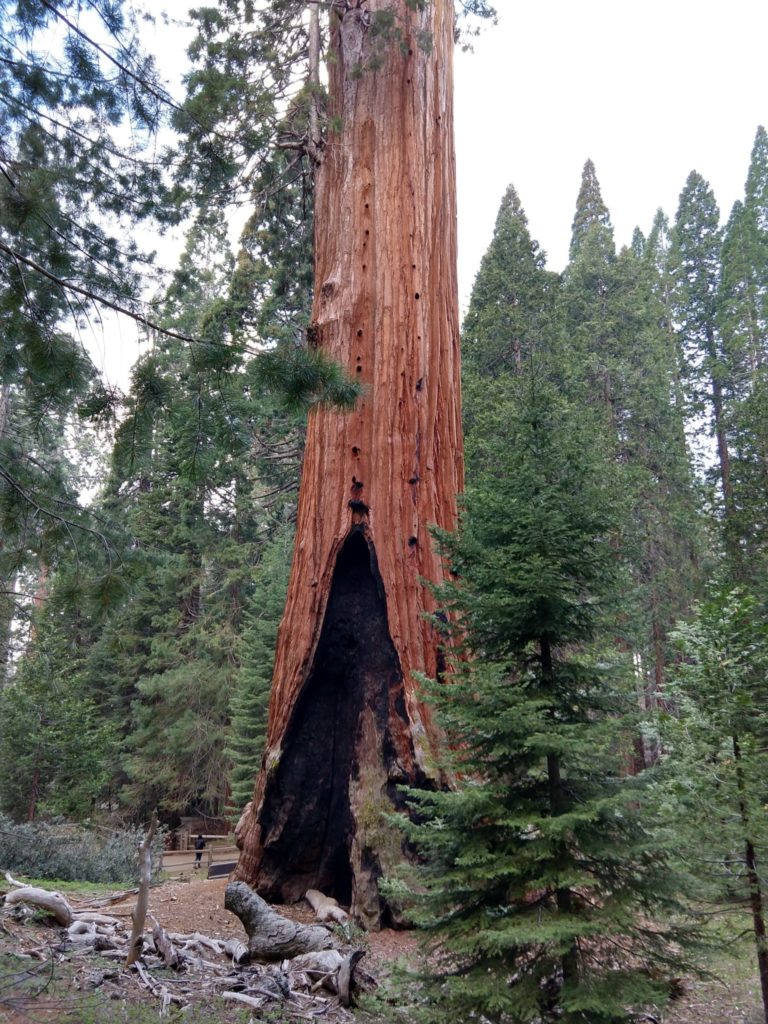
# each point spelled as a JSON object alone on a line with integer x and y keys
{"x": 338, "y": 765}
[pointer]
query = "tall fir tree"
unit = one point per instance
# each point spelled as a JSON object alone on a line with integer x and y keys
{"x": 69, "y": 190}
{"x": 663, "y": 536}
{"x": 742, "y": 320}
{"x": 539, "y": 860}
{"x": 587, "y": 318}
{"x": 55, "y": 745}
{"x": 511, "y": 306}
{"x": 591, "y": 217}
{"x": 717, "y": 762}
{"x": 250, "y": 698}
{"x": 695, "y": 261}
{"x": 193, "y": 481}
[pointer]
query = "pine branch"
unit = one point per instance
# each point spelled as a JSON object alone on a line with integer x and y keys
{"x": 102, "y": 300}
{"x": 32, "y": 114}
{"x": 161, "y": 97}
{"x": 68, "y": 524}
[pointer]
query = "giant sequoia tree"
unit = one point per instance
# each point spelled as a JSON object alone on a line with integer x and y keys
{"x": 346, "y": 725}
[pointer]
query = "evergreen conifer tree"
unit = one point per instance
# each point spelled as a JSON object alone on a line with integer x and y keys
{"x": 193, "y": 481}
{"x": 742, "y": 320}
{"x": 592, "y": 214}
{"x": 716, "y": 743}
{"x": 539, "y": 861}
{"x": 55, "y": 746}
{"x": 695, "y": 262}
{"x": 617, "y": 354}
{"x": 511, "y": 305}
{"x": 68, "y": 191}
{"x": 248, "y": 705}
{"x": 590, "y": 351}
{"x": 662, "y": 537}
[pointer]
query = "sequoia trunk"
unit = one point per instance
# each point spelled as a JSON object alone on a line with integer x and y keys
{"x": 346, "y": 725}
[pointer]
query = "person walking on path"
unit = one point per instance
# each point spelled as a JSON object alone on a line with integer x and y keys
{"x": 199, "y": 847}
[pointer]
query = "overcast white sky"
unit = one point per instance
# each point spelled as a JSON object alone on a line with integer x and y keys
{"x": 649, "y": 91}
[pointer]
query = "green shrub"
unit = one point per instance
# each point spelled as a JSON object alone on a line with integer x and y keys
{"x": 72, "y": 854}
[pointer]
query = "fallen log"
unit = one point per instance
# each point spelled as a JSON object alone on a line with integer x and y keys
{"x": 196, "y": 943}
{"x": 239, "y": 997}
{"x": 165, "y": 947}
{"x": 270, "y": 935}
{"x": 116, "y": 897}
{"x": 82, "y": 932}
{"x": 320, "y": 968}
{"x": 98, "y": 919}
{"x": 326, "y": 908}
{"x": 237, "y": 951}
{"x": 52, "y": 902}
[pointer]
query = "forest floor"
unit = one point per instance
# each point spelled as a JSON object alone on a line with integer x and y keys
{"x": 198, "y": 906}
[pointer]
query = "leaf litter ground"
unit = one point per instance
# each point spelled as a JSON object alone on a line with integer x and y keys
{"x": 37, "y": 991}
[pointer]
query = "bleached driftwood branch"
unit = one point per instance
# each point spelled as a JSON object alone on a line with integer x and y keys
{"x": 270, "y": 935}
{"x": 139, "y": 913}
{"x": 326, "y": 908}
{"x": 165, "y": 947}
{"x": 52, "y": 902}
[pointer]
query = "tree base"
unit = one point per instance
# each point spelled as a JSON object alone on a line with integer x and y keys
{"x": 323, "y": 815}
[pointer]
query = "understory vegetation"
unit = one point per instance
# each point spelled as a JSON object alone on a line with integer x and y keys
{"x": 70, "y": 853}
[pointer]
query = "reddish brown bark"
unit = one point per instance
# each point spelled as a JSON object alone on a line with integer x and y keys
{"x": 373, "y": 480}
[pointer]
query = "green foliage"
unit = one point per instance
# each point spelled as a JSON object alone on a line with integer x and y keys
{"x": 591, "y": 220}
{"x": 695, "y": 260}
{"x": 618, "y": 353}
{"x": 714, "y": 737}
{"x": 304, "y": 377}
{"x": 54, "y": 744}
{"x": 742, "y": 321}
{"x": 510, "y": 312}
{"x": 250, "y": 699}
{"x": 69, "y": 189}
{"x": 539, "y": 500}
{"x": 541, "y": 860}
{"x": 72, "y": 854}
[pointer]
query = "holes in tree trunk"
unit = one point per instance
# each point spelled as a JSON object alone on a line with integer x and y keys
{"x": 307, "y": 817}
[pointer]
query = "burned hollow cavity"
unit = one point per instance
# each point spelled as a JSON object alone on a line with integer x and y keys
{"x": 322, "y": 817}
